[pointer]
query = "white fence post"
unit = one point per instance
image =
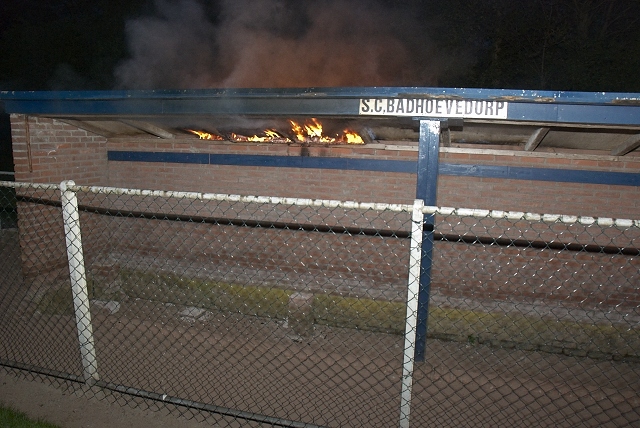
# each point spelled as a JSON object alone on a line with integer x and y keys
{"x": 78, "y": 281}
{"x": 417, "y": 218}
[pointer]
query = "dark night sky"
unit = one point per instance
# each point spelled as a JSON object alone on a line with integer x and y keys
{"x": 579, "y": 45}
{"x": 590, "y": 45}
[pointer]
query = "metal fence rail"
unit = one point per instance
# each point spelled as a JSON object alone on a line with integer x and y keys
{"x": 287, "y": 312}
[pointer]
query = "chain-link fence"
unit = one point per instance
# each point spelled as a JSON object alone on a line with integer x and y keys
{"x": 258, "y": 311}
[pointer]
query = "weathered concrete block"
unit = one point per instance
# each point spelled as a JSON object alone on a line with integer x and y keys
{"x": 300, "y": 316}
{"x": 110, "y": 306}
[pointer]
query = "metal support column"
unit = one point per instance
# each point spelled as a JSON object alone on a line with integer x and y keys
{"x": 426, "y": 189}
{"x": 78, "y": 278}
{"x": 413, "y": 288}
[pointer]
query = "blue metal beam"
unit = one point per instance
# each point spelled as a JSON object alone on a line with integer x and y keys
{"x": 427, "y": 190}
{"x": 409, "y": 167}
{"x": 560, "y": 97}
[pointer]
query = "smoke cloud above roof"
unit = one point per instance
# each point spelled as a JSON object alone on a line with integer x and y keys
{"x": 279, "y": 43}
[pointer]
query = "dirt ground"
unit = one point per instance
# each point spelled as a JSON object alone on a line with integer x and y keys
{"x": 336, "y": 377}
{"x": 459, "y": 386}
{"x": 41, "y": 400}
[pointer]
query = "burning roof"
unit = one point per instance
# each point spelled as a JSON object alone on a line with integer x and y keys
{"x": 307, "y": 132}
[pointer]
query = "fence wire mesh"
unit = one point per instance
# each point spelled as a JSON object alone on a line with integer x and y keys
{"x": 280, "y": 312}
{"x": 534, "y": 321}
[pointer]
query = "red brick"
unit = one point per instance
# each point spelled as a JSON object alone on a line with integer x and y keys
{"x": 473, "y": 271}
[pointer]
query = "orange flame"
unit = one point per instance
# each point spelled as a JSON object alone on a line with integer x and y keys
{"x": 205, "y": 135}
{"x": 271, "y": 136}
{"x": 352, "y": 137}
{"x": 311, "y": 131}
{"x": 307, "y": 132}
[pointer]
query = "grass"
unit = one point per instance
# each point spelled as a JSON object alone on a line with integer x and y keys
{"x": 366, "y": 314}
{"x": 170, "y": 288}
{"x": 337, "y": 311}
{"x": 56, "y": 301}
{"x": 534, "y": 333}
{"x": 473, "y": 327}
{"x": 10, "y": 418}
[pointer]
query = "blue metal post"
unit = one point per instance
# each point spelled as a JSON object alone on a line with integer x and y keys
{"x": 426, "y": 189}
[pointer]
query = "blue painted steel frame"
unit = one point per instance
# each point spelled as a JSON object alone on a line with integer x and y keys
{"x": 427, "y": 190}
{"x": 539, "y": 106}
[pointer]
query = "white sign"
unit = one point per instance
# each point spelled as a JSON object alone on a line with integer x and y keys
{"x": 440, "y": 107}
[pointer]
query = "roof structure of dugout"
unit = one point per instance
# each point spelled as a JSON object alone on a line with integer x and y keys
{"x": 598, "y": 123}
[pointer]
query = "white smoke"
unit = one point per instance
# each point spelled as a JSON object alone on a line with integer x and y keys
{"x": 276, "y": 43}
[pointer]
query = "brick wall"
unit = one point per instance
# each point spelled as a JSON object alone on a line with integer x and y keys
{"x": 374, "y": 266}
{"x": 56, "y": 151}
{"x": 590, "y": 281}
{"x": 255, "y": 180}
{"x": 319, "y": 262}
{"x": 59, "y": 151}
{"x": 460, "y": 191}
{"x": 596, "y": 200}
{"x": 50, "y": 151}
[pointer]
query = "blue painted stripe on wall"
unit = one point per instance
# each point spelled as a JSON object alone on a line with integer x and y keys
{"x": 264, "y": 160}
{"x": 410, "y": 167}
{"x": 126, "y": 156}
{"x": 542, "y": 174}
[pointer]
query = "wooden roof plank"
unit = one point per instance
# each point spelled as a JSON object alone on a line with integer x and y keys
{"x": 90, "y": 127}
{"x": 535, "y": 139}
{"x": 150, "y": 128}
{"x": 628, "y": 146}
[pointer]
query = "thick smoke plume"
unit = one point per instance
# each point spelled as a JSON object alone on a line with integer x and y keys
{"x": 276, "y": 43}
